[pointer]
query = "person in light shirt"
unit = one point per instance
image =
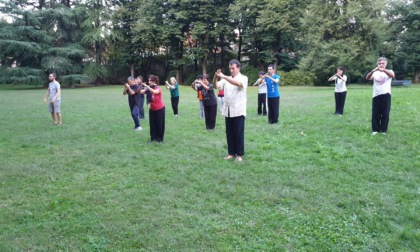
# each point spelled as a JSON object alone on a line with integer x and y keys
{"x": 340, "y": 91}
{"x": 234, "y": 108}
{"x": 381, "y": 101}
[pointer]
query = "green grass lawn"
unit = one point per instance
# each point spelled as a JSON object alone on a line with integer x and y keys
{"x": 313, "y": 182}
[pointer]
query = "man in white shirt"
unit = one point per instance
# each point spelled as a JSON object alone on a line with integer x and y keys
{"x": 54, "y": 95}
{"x": 381, "y": 101}
{"x": 234, "y": 109}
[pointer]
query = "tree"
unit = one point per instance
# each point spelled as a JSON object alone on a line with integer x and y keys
{"x": 405, "y": 19}
{"x": 96, "y": 36}
{"x": 42, "y": 38}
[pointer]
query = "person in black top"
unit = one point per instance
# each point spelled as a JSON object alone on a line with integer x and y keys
{"x": 209, "y": 101}
{"x": 131, "y": 89}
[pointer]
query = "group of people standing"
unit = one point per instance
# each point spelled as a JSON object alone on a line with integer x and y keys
{"x": 233, "y": 100}
{"x": 381, "y": 98}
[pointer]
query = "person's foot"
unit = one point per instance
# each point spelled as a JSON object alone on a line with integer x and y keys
{"x": 383, "y": 133}
{"x": 238, "y": 159}
{"x": 374, "y": 133}
{"x": 138, "y": 128}
{"x": 228, "y": 157}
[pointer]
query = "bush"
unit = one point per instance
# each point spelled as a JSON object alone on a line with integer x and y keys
{"x": 296, "y": 78}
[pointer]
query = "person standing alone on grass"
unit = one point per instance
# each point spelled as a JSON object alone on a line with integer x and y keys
{"x": 131, "y": 89}
{"x": 54, "y": 94}
{"x": 262, "y": 94}
{"x": 340, "y": 90}
{"x": 272, "y": 81}
{"x": 381, "y": 101}
{"x": 234, "y": 109}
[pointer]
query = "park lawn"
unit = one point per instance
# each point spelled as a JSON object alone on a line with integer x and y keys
{"x": 313, "y": 182}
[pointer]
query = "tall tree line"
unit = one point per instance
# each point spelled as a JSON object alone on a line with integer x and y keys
{"x": 105, "y": 39}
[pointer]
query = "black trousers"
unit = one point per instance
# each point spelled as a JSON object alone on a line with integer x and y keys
{"x": 235, "y": 135}
{"x": 157, "y": 124}
{"x": 262, "y": 104}
{"x": 273, "y": 109}
{"x": 381, "y": 106}
{"x": 210, "y": 114}
{"x": 174, "y": 103}
{"x": 340, "y": 99}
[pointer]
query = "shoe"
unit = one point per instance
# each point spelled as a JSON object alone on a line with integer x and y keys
{"x": 383, "y": 133}
{"x": 374, "y": 133}
{"x": 138, "y": 128}
{"x": 238, "y": 159}
{"x": 228, "y": 157}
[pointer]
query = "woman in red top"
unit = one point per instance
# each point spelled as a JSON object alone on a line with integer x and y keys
{"x": 157, "y": 109}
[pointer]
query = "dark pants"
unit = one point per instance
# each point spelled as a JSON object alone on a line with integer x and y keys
{"x": 141, "y": 107}
{"x": 273, "y": 109}
{"x": 210, "y": 114}
{"x": 174, "y": 103}
{"x": 340, "y": 99}
{"x": 157, "y": 124}
{"x": 235, "y": 135}
{"x": 381, "y": 106}
{"x": 134, "y": 109}
{"x": 262, "y": 104}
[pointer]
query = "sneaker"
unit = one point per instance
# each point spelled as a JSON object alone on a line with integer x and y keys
{"x": 383, "y": 133}
{"x": 138, "y": 128}
{"x": 374, "y": 133}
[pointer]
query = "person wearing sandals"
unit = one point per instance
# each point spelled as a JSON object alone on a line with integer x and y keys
{"x": 54, "y": 94}
{"x": 234, "y": 108}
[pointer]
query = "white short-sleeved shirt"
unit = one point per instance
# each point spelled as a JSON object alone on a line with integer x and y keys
{"x": 340, "y": 85}
{"x": 235, "y": 97}
{"x": 262, "y": 87}
{"x": 381, "y": 83}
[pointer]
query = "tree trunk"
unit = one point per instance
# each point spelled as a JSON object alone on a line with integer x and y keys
{"x": 417, "y": 75}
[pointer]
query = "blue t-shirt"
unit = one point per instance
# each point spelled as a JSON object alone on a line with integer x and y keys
{"x": 272, "y": 87}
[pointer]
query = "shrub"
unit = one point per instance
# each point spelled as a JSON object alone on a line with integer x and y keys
{"x": 296, "y": 78}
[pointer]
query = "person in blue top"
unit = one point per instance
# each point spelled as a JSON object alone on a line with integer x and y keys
{"x": 272, "y": 80}
{"x": 173, "y": 88}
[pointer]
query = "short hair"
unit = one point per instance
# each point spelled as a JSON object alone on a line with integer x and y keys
{"x": 261, "y": 72}
{"x": 199, "y": 77}
{"x": 131, "y": 78}
{"x": 140, "y": 77}
{"x": 53, "y": 74}
{"x": 173, "y": 79}
{"x": 381, "y": 59}
{"x": 340, "y": 68}
{"x": 272, "y": 66}
{"x": 206, "y": 77}
{"x": 235, "y": 62}
{"x": 154, "y": 78}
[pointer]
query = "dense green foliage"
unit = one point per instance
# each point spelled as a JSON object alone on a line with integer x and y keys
{"x": 109, "y": 39}
{"x": 313, "y": 182}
